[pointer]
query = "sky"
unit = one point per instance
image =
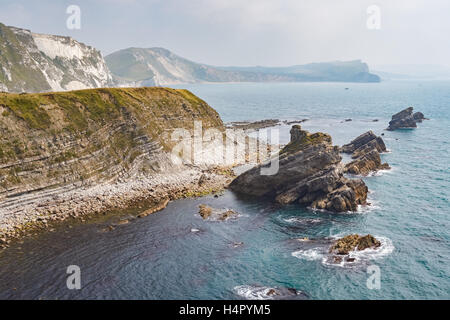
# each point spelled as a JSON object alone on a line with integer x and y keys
{"x": 252, "y": 32}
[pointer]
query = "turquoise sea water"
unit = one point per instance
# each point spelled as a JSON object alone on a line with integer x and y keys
{"x": 174, "y": 254}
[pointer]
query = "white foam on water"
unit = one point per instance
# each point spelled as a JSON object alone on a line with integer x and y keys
{"x": 314, "y": 254}
{"x": 386, "y": 248}
{"x": 253, "y": 293}
{"x": 383, "y": 250}
{"x": 380, "y": 173}
{"x": 302, "y": 220}
{"x": 309, "y": 254}
{"x": 368, "y": 208}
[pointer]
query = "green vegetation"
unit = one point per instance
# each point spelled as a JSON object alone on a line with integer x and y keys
{"x": 306, "y": 141}
{"x": 55, "y": 138}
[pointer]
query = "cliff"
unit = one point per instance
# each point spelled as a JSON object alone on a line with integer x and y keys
{"x": 51, "y": 143}
{"x": 159, "y": 66}
{"x": 32, "y": 62}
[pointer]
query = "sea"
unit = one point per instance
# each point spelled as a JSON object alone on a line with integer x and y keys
{"x": 175, "y": 254}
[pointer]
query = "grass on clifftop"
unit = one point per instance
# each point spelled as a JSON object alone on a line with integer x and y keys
{"x": 307, "y": 140}
{"x": 150, "y": 111}
{"x": 78, "y": 107}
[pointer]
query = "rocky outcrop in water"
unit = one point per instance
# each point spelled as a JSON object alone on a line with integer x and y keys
{"x": 256, "y": 125}
{"x": 368, "y": 139}
{"x": 354, "y": 242}
{"x": 405, "y": 119}
{"x": 365, "y": 151}
{"x": 310, "y": 173}
{"x": 208, "y": 213}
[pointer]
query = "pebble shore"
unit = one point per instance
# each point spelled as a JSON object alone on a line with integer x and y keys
{"x": 29, "y": 214}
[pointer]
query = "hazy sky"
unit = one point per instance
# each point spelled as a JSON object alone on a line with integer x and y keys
{"x": 251, "y": 32}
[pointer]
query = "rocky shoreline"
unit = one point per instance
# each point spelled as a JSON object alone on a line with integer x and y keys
{"x": 311, "y": 173}
{"x": 20, "y": 219}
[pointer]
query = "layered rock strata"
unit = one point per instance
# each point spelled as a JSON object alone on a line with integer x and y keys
{"x": 365, "y": 151}
{"x": 310, "y": 173}
{"x": 405, "y": 119}
{"x": 70, "y": 154}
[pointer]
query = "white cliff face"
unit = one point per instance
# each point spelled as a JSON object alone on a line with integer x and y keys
{"x": 49, "y": 63}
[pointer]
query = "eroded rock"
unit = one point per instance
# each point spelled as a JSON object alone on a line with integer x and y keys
{"x": 310, "y": 173}
{"x": 405, "y": 119}
{"x": 365, "y": 149}
{"x": 208, "y": 213}
{"x": 354, "y": 242}
{"x": 366, "y": 139}
{"x": 205, "y": 211}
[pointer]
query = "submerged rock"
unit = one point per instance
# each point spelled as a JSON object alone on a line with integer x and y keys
{"x": 269, "y": 293}
{"x": 310, "y": 173}
{"x": 155, "y": 208}
{"x": 405, "y": 119}
{"x": 205, "y": 211}
{"x": 208, "y": 213}
{"x": 354, "y": 242}
{"x": 256, "y": 125}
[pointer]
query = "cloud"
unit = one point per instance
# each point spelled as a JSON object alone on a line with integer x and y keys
{"x": 249, "y": 32}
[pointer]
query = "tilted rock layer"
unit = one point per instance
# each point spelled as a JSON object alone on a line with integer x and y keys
{"x": 310, "y": 173}
{"x": 405, "y": 119}
{"x": 74, "y": 153}
{"x": 365, "y": 151}
{"x": 50, "y": 139}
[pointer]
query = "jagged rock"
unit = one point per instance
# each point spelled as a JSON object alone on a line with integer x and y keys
{"x": 353, "y": 242}
{"x": 418, "y": 116}
{"x": 365, "y": 149}
{"x": 310, "y": 173}
{"x": 405, "y": 119}
{"x": 366, "y": 163}
{"x": 363, "y": 140}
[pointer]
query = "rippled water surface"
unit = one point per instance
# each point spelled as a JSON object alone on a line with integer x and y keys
{"x": 174, "y": 254}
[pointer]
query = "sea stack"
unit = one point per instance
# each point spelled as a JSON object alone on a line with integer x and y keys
{"x": 310, "y": 173}
{"x": 405, "y": 119}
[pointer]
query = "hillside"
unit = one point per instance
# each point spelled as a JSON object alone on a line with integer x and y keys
{"x": 50, "y": 139}
{"x": 32, "y": 62}
{"x": 89, "y": 151}
{"x": 158, "y": 66}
